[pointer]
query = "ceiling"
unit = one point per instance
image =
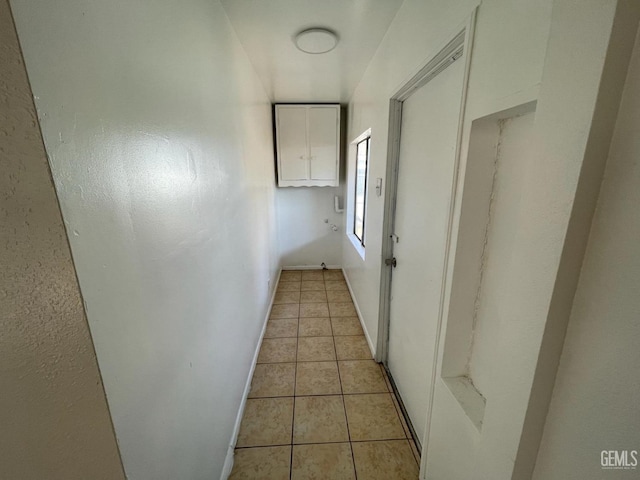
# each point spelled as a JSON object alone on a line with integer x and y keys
{"x": 266, "y": 30}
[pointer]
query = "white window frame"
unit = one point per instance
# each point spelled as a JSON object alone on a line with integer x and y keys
{"x": 351, "y": 192}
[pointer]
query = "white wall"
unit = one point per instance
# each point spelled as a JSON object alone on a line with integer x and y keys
{"x": 522, "y": 52}
{"x": 504, "y": 218}
{"x": 595, "y": 401}
{"x": 159, "y": 138}
{"x": 304, "y": 239}
{"x": 53, "y": 411}
{"x": 508, "y": 33}
{"x": 506, "y": 70}
{"x": 576, "y": 99}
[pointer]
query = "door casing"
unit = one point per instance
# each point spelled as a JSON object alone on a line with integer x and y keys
{"x": 460, "y": 44}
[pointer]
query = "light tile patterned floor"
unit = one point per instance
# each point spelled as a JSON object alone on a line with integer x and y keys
{"x": 319, "y": 406}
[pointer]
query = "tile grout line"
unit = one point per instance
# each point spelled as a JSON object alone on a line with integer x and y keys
{"x": 407, "y": 436}
{"x": 295, "y": 383}
{"x": 295, "y": 375}
{"x": 319, "y": 394}
{"x": 344, "y": 405}
{"x": 295, "y": 380}
{"x": 353, "y": 456}
{"x": 374, "y": 440}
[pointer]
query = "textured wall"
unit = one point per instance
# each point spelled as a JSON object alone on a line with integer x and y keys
{"x": 53, "y": 415}
{"x": 159, "y": 137}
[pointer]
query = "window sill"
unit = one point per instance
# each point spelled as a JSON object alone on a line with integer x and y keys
{"x": 355, "y": 241}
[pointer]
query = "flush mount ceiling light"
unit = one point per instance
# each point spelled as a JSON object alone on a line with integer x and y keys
{"x": 316, "y": 40}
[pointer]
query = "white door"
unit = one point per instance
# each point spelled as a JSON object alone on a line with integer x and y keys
{"x": 429, "y": 128}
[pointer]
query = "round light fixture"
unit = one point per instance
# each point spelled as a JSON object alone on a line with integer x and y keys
{"x": 316, "y": 40}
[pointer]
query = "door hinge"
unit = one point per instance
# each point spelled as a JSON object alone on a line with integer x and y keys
{"x": 391, "y": 261}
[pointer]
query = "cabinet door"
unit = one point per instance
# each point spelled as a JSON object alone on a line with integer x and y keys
{"x": 292, "y": 143}
{"x": 323, "y": 143}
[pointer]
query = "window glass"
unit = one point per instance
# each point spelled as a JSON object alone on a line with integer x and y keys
{"x": 360, "y": 197}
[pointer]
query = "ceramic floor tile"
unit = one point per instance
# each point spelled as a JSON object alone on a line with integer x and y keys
{"x": 278, "y": 350}
{"x": 316, "y": 349}
{"x": 338, "y": 296}
{"x": 312, "y": 285}
{"x": 317, "y": 358}
{"x": 285, "y": 311}
{"x": 385, "y": 460}
{"x": 319, "y": 420}
{"x": 314, "y": 327}
{"x": 344, "y": 309}
{"x": 317, "y": 378}
{"x": 288, "y": 287}
{"x": 286, "y": 297}
{"x": 361, "y": 376}
{"x": 386, "y": 378}
{"x": 313, "y": 296}
{"x": 327, "y": 461}
{"x": 335, "y": 285}
{"x": 273, "y": 380}
{"x": 333, "y": 275}
{"x": 372, "y": 417}
{"x": 290, "y": 276}
{"x": 352, "y": 348}
{"x": 266, "y": 421}
{"x": 312, "y": 275}
{"x": 315, "y": 310}
{"x": 281, "y": 327}
{"x": 346, "y": 326}
{"x": 263, "y": 463}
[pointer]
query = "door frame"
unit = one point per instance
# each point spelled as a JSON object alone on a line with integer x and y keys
{"x": 461, "y": 43}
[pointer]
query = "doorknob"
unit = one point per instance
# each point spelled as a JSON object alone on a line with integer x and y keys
{"x": 391, "y": 261}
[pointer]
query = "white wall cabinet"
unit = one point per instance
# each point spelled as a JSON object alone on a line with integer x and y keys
{"x": 308, "y": 145}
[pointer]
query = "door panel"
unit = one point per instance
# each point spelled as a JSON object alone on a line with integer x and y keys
{"x": 292, "y": 138}
{"x": 427, "y": 157}
{"x": 322, "y": 142}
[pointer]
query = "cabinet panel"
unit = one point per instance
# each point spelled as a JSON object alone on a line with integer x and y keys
{"x": 308, "y": 145}
{"x": 292, "y": 143}
{"x": 323, "y": 143}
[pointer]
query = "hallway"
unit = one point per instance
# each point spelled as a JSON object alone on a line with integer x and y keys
{"x": 318, "y": 402}
{"x": 215, "y": 215}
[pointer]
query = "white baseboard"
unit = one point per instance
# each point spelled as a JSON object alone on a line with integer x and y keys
{"x": 228, "y": 461}
{"x": 364, "y": 327}
{"x": 311, "y": 267}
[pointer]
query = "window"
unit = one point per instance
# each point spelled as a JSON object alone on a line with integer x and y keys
{"x": 360, "y": 190}
{"x": 356, "y": 204}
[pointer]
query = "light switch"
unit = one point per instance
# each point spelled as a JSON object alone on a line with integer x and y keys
{"x": 379, "y": 187}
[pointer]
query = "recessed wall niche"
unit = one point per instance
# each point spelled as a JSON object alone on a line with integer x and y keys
{"x": 490, "y": 213}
